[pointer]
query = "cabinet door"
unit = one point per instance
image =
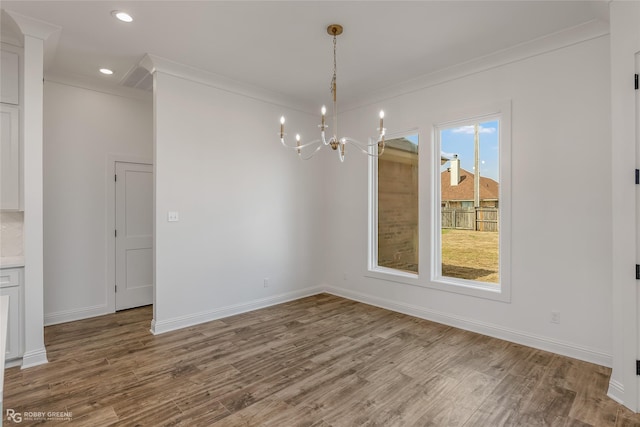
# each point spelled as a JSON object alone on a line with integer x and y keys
{"x": 9, "y": 78}
{"x": 9, "y": 158}
{"x": 14, "y": 327}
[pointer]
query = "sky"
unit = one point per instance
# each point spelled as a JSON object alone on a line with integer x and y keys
{"x": 459, "y": 140}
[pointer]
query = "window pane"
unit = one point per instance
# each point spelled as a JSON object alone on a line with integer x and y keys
{"x": 398, "y": 205}
{"x": 469, "y": 200}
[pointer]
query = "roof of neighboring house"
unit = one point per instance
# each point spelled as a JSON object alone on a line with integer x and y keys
{"x": 489, "y": 189}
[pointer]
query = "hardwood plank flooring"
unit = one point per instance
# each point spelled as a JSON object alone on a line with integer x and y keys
{"x": 320, "y": 361}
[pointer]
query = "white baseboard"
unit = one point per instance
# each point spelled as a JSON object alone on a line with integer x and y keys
{"x": 75, "y": 314}
{"x": 616, "y": 391}
{"x": 13, "y": 362}
{"x": 512, "y": 335}
{"x": 162, "y": 326}
{"x": 34, "y": 358}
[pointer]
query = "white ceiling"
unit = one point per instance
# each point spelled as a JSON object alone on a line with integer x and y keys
{"x": 283, "y": 46}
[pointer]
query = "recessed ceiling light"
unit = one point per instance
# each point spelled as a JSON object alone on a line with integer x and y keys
{"x": 123, "y": 16}
{"x": 106, "y": 71}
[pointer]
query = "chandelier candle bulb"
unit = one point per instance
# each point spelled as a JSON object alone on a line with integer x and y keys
{"x": 324, "y": 112}
{"x": 381, "y": 118}
{"x": 281, "y": 127}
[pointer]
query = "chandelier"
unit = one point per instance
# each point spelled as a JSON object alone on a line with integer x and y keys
{"x": 308, "y": 149}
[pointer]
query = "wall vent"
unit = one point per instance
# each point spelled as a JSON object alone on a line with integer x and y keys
{"x": 138, "y": 78}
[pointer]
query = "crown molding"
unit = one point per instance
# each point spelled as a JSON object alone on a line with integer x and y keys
{"x": 95, "y": 85}
{"x": 9, "y": 31}
{"x": 587, "y": 31}
{"x": 36, "y": 28}
{"x": 33, "y": 27}
{"x": 153, "y": 64}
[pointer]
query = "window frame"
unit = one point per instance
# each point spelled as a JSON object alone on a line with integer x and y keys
{"x": 502, "y": 290}
{"x": 374, "y": 270}
{"x": 429, "y": 210}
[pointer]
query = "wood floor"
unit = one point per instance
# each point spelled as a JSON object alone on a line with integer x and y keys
{"x": 319, "y": 361}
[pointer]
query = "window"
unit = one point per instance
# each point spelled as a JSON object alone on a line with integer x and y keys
{"x": 469, "y": 190}
{"x": 469, "y": 248}
{"x": 395, "y": 234}
{"x": 429, "y": 224}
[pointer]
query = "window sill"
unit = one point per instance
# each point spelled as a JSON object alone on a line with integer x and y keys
{"x": 391, "y": 275}
{"x": 472, "y": 288}
{"x": 464, "y": 287}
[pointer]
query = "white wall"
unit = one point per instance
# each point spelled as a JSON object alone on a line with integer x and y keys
{"x": 561, "y": 202}
{"x": 248, "y": 208}
{"x": 83, "y": 129}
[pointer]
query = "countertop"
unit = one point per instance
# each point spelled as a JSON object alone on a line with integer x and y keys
{"x": 11, "y": 262}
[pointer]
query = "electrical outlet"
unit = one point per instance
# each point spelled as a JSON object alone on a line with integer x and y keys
{"x": 266, "y": 282}
{"x": 555, "y": 317}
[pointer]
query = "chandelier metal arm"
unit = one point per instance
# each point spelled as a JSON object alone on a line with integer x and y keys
{"x": 366, "y": 148}
{"x": 340, "y": 146}
{"x": 301, "y": 146}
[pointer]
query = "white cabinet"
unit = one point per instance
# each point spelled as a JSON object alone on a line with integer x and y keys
{"x": 10, "y": 145}
{"x": 10, "y": 165}
{"x": 11, "y": 284}
{"x": 9, "y": 78}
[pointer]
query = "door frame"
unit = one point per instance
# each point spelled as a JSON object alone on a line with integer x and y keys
{"x": 110, "y": 205}
{"x": 624, "y": 44}
{"x": 636, "y": 328}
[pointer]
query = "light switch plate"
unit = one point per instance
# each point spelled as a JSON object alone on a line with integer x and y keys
{"x": 172, "y": 216}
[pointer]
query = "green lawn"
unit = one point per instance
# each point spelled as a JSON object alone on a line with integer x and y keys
{"x": 470, "y": 255}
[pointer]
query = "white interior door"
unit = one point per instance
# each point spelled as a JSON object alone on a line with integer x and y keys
{"x": 134, "y": 235}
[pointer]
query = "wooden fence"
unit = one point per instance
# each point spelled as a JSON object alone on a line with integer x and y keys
{"x": 478, "y": 219}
